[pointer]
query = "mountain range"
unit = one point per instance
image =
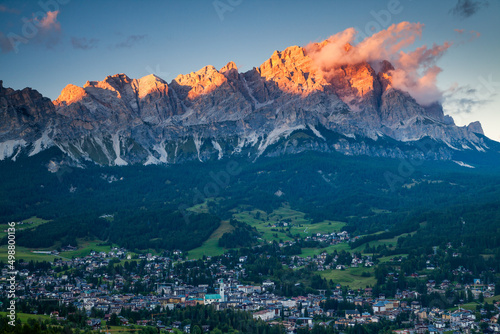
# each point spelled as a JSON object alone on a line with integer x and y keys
{"x": 286, "y": 105}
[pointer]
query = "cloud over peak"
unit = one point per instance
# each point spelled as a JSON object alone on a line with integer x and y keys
{"x": 415, "y": 71}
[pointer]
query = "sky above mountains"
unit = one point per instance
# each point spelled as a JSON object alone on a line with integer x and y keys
{"x": 448, "y": 49}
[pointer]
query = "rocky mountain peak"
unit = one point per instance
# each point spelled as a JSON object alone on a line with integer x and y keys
{"x": 152, "y": 78}
{"x": 202, "y": 82}
{"x": 25, "y": 117}
{"x": 475, "y": 127}
{"x": 357, "y": 85}
{"x": 292, "y": 71}
{"x": 70, "y": 94}
{"x": 150, "y": 84}
{"x": 213, "y": 112}
{"x": 384, "y": 74}
{"x": 229, "y": 66}
{"x": 230, "y": 71}
{"x": 5, "y": 91}
{"x": 347, "y": 47}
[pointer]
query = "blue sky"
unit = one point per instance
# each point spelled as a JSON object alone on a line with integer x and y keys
{"x": 88, "y": 40}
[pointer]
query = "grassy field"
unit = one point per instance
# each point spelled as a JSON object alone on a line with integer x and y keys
{"x": 389, "y": 258}
{"x": 350, "y": 277}
{"x": 200, "y": 208}
{"x": 25, "y": 254}
{"x": 298, "y": 223}
{"x": 390, "y": 243}
{"x": 469, "y": 306}
{"x": 25, "y": 316}
{"x": 84, "y": 248}
{"x": 316, "y": 251}
{"x": 340, "y": 247}
{"x": 211, "y": 246}
{"x": 493, "y": 299}
{"x": 114, "y": 329}
{"x": 472, "y": 306}
{"x": 27, "y": 224}
{"x": 120, "y": 329}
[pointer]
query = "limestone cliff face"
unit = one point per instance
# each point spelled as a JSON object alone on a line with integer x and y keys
{"x": 286, "y": 105}
{"x": 291, "y": 71}
{"x": 25, "y": 117}
{"x": 115, "y": 102}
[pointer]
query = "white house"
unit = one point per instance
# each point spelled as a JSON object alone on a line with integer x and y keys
{"x": 264, "y": 315}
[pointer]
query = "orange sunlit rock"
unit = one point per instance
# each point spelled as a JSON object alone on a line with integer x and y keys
{"x": 201, "y": 82}
{"x": 388, "y": 79}
{"x": 230, "y": 66}
{"x": 148, "y": 84}
{"x": 362, "y": 78}
{"x": 293, "y": 71}
{"x": 70, "y": 94}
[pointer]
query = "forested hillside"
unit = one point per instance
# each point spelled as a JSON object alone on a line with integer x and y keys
{"x": 179, "y": 206}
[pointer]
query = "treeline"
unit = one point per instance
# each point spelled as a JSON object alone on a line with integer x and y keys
{"x": 401, "y": 229}
{"x": 150, "y": 204}
{"x": 162, "y": 229}
{"x": 225, "y": 321}
{"x": 35, "y": 326}
{"x": 243, "y": 235}
{"x": 75, "y": 320}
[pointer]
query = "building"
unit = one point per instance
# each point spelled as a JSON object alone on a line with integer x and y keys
{"x": 212, "y": 298}
{"x": 265, "y": 315}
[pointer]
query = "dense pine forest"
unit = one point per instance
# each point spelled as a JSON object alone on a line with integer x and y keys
{"x": 142, "y": 207}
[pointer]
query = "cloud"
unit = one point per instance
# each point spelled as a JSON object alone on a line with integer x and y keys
{"x": 49, "y": 21}
{"x": 466, "y": 36}
{"x": 415, "y": 72}
{"x": 422, "y": 88}
{"x": 49, "y": 33}
{"x": 131, "y": 41}
{"x": 44, "y": 30}
{"x": 5, "y": 9}
{"x": 461, "y": 102}
{"x": 463, "y": 99}
{"x": 338, "y": 48}
{"x": 466, "y": 8}
{"x": 84, "y": 43}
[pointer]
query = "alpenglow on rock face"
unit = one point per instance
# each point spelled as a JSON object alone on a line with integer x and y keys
{"x": 284, "y": 106}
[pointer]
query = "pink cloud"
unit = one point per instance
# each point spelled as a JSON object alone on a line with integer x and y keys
{"x": 467, "y": 36}
{"x": 380, "y": 46}
{"x": 415, "y": 72}
{"x": 50, "y": 32}
{"x": 420, "y": 72}
{"x": 42, "y": 28}
{"x": 475, "y": 34}
{"x": 422, "y": 88}
{"x": 49, "y": 21}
